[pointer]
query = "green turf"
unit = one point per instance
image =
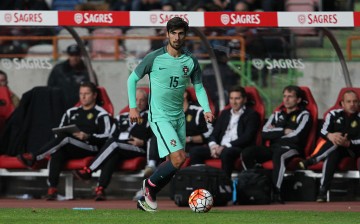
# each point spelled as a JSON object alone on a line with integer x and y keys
{"x": 66, "y": 216}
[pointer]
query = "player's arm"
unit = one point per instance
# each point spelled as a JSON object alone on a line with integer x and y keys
{"x": 203, "y": 101}
{"x": 134, "y": 114}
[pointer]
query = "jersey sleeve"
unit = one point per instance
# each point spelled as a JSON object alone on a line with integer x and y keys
{"x": 131, "y": 85}
{"x": 202, "y": 97}
{"x": 196, "y": 73}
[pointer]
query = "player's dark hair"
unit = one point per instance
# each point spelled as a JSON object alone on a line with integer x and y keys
{"x": 177, "y": 23}
{"x": 298, "y": 91}
{"x": 238, "y": 89}
{"x": 90, "y": 85}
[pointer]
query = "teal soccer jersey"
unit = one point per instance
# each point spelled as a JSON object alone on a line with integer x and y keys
{"x": 169, "y": 76}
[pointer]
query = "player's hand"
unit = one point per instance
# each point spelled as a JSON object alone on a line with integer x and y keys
{"x": 209, "y": 117}
{"x": 134, "y": 116}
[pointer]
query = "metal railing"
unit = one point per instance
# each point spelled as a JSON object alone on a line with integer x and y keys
{"x": 116, "y": 54}
{"x": 349, "y": 42}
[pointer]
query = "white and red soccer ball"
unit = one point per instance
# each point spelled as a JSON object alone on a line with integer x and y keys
{"x": 201, "y": 201}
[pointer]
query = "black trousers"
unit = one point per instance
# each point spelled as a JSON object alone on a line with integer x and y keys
{"x": 279, "y": 155}
{"x": 331, "y": 155}
{"x": 228, "y": 156}
{"x": 61, "y": 150}
{"x": 110, "y": 155}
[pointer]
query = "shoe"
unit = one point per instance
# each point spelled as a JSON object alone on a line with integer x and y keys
{"x": 142, "y": 205}
{"x": 304, "y": 164}
{"x": 148, "y": 171}
{"x": 51, "y": 194}
{"x": 100, "y": 194}
{"x": 322, "y": 196}
{"x": 27, "y": 159}
{"x": 138, "y": 195}
{"x": 84, "y": 174}
{"x": 149, "y": 195}
{"x": 277, "y": 197}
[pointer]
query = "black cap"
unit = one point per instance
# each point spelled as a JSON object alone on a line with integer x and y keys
{"x": 73, "y": 49}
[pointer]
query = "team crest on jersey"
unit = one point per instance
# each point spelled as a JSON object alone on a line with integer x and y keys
{"x": 173, "y": 142}
{"x": 90, "y": 116}
{"x": 293, "y": 118}
{"x": 354, "y": 124}
{"x": 188, "y": 117}
{"x": 185, "y": 70}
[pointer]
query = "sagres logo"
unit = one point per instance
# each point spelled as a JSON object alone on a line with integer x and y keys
{"x": 8, "y": 17}
{"x": 257, "y": 63}
{"x": 78, "y": 18}
{"x": 153, "y": 18}
{"x": 6, "y": 63}
{"x": 302, "y": 18}
{"x": 225, "y": 19}
{"x": 269, "y": 63}
{"x": 26, "y": 63}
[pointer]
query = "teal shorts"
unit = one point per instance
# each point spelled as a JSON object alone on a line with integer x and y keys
{"x": 170, "y": 135}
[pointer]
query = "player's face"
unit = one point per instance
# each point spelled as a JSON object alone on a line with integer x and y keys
{"x": 87, "y": 98}
{"x": 350, "y": 103}
{"x": 141, "y": 101}
{"x": 176, "y": 38}
{"x": 290, "y": 100}
{"x": 236, "y": 100}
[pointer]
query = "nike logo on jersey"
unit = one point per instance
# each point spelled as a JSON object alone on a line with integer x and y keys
{"x": 160, "y": 68}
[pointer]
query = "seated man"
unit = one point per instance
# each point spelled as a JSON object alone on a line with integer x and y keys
{"x": 127, "y": 141}
{"x": 287, "y": 130}
{"x": 94, "y": 123}
{"x": 341, "y": 132}
{"x": 235, "y": 129}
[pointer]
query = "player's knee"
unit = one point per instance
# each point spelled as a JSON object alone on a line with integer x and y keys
{"x": 178, "y": 159}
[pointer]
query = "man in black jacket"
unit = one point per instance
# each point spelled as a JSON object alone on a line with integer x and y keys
{"x": 93, "y": 123}
{"x": 341, "y": 137}
{"x": 235, "y": 129}
{"x": 68, "y": 75}
{"x": 127, "y": 141}
{"x": 286, "y": 131}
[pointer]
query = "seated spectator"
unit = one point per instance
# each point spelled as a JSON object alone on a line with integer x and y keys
{"x": 146, "y": 5}
{"x": 234, "y": 130}
{"x": 120, "y": 5}
{"x": 68, "y": 75}
{"x": 341, "y": 135}
{"x": 94, "y": 126}
{"x": 127, "y": 141}
{"x": 4, "y": 82}
{"x": 287, "y": 130}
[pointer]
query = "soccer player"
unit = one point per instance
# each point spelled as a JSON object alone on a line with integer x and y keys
{"x": 170, "y": 69}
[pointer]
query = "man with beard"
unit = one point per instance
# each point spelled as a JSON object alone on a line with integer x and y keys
{"x": 170, "y": 69}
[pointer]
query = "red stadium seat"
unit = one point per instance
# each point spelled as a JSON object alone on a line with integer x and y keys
{"x": 311, "y": 106}
{"x": 346, "y": 163}
{"x": 255, "y": 102}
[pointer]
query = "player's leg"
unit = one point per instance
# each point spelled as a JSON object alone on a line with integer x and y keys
{"x": 171, "y": 139}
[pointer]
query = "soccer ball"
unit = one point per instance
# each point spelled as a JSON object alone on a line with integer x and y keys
{"x": 201, "y": 201}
